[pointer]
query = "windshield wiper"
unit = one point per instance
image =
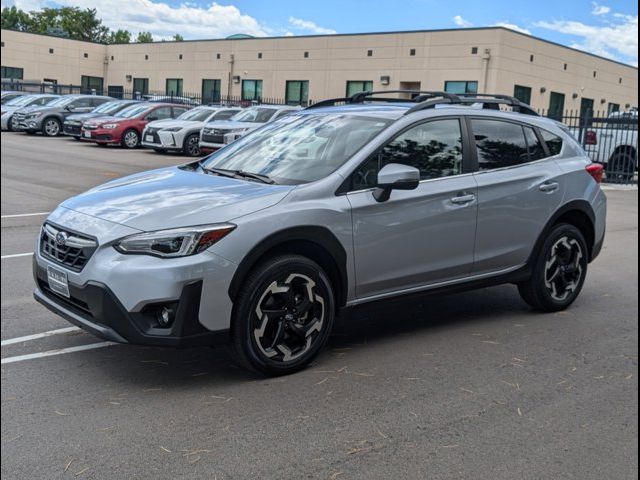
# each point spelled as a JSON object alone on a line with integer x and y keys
{"x": 240, "y": 173}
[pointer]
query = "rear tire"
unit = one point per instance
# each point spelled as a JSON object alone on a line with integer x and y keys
{"x": 191, "y": 146}
{"x": 283, "y": 315}
{"x": 559, "y": 270}
{"x": 130, "y": 139}
{"x": 621, "y": 167}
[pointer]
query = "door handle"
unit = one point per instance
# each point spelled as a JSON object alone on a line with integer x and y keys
{"x": 463, "y": 199}
{"x": 549, "y": 187}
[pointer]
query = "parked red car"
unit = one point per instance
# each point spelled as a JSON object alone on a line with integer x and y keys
{"x": 125, "y": 128}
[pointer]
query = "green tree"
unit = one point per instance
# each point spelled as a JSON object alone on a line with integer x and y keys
{"x": 71, "y": 22}
{"x": 13, "y": 18}
{"x": 120, "y": 36}
{"x": 178, "y": 38}
{"x": 144, "y": 37}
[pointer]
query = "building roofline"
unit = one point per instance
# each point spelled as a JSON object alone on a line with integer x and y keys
{"x": 395, "y": 32}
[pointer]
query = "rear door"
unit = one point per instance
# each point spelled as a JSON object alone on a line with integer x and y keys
{"x": 519, "y": 188}
{"x": 422, "y": 236}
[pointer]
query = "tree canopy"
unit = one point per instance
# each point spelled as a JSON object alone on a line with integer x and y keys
{"x": 70, "y": 22}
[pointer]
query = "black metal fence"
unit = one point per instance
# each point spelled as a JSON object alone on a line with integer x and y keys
{"x": 610, "y": 138}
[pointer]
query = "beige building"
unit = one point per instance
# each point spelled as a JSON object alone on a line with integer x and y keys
{"x": 495, "y": 60}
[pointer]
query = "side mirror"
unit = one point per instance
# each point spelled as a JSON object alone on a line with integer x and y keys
{"x": 70, "y": 108}
{"x": 395, "y": 176}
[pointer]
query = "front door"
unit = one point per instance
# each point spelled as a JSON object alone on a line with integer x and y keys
{"x": 416, "y": 237}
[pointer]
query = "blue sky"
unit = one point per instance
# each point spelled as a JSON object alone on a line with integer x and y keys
{"x": 607, "y": 28}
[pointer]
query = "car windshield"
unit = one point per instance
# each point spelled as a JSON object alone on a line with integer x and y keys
{"x": 298, "y": 148}
{"x": 61, "y": 102}
{"x": 48, "y": 100}
{"x": 196, "y": 114}
{"x": 21, "y": 100}
{"x": 109, "y": 107}
{"x": 132, "y": 111}
{"x": 256, "y": 115}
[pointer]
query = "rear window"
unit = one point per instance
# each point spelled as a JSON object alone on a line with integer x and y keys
{"x": 536, "y": 150}
{"x": 553, "y": 142}
{"x": 499, "y": 144}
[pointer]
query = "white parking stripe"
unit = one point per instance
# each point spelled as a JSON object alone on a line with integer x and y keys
{"x": 35, "y": 336}
{"x": 50, "y": 353}
{"x": 18, "y": 215}
{"x": 16, "y": 255}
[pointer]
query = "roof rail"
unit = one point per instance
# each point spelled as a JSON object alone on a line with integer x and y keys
{"x": 488, "y": 100}
{"x": 361, "y": 97}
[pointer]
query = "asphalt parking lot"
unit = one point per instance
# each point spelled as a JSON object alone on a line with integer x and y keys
{"x": 467, "y": 386}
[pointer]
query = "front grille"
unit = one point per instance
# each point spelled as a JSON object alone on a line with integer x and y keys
{"x": 154, "y": 133}
{"x": 66, "y": 248}
{"x": 72, "y": 129}
{"x": 212, "y": 138}
{"x": 89, "y": 127}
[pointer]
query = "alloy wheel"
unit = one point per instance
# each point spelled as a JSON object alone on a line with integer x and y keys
{"x": 563, "y": 268}
{"x": 131, "y": 139}
{"x": 193, "y": 148}
{"x": 52, "y": 127}
{"x": 289, "y": 318}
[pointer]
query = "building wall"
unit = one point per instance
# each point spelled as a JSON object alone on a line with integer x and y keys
{"x": 334, "y": 59}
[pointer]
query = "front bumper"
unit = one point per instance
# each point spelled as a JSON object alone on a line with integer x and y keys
{"x": 100, "y": 135}
{"x": 74, "y": 130}
{"x": 161, "y": 140}
{"x": 31, "y": 125}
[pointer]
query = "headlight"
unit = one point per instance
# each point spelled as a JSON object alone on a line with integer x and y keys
{"x": 172, "y": 129}
{"x": 178, "y": 242}
{"x": 34, "y": 115}
{"x": 236, "y": 130}
{"x": 110, "y": 126}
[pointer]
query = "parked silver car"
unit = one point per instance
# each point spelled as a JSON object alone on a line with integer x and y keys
{"x": 182, "y": 134}
{"x": 217, "y": 134}
{"x": 21, "y": 102}
{"x": 263, "y": 242}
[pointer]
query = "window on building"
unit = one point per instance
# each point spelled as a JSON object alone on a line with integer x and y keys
{"x": 306, "y": 54}
{"x": 211, "y": 90}
{"x": 595, "y": 74}
{"x": 89, "y": 84}
{"x": 173, "y": 86}
{"x": 434, "y": 148}
{"x": 251, "y": 89}
{"x": 522, "y": 93}
{"x": 355, "y": 86}
{"x": 412, "y": 52}
{"x": 141, "y": 85}
{"x": 51, "y": 50}
{"x": 586, "y": 106}
{"x": 146, "y": 57}
{"x": 566, "y": 66}
{"x": 86, "y": 55}
{"x": 474, "y": 50}
{"x": 1, "y": 44}
{"x": 115, "y": 91}
{"x": 369, "y": 53}
{"x": 180, "y": 56}
{"x": 620, "y": 80}
{"x": 218, "y": 56}
{"x": 461, "y": 86}
{"x": 499, "y": 144}
{"x": 613, "y": 107}
{"x": 259, "y": 54}
{"x": 531, "y": 57}
{"x": 556, "y": 105}
{"x": 297, "y": 92}
{"x": 13, "y": 73}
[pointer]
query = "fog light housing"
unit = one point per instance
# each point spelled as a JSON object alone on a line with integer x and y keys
{"x": 165, "y": 316}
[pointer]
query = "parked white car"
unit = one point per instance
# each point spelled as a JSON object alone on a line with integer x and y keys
{"x": 216, "y": 135}
{"x": 182, "y": 134}
{"x": 22, "y": 102}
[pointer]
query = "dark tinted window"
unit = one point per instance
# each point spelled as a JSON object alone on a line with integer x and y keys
{"x": 536, "y": 150}
{"x": 499, "y": 144}
{"x": 159, "y": 113}
{"x": 554, "y": 143}
{"x": 82, "y": 102}
{"x": 434, "y": 148}
{"x": 225, "y": 114}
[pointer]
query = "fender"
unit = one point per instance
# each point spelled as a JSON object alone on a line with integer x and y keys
{"x": 311, "y": 234}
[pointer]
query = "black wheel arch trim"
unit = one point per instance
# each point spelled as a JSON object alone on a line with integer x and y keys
{"x": 311, "y": 234}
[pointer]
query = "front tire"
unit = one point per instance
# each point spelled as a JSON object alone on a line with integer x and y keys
{"x": 51, "y": 127}
{"x": 130, "y": 139}
{"x": 559, "y": 270}
{"x": 283, "y": 315}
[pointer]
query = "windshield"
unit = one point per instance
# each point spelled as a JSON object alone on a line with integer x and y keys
{"x": 109, "y": 107}
{"x": 21, "y": 100}
{"x": 257, "y": 115}
{"x": 132, "y": 111}
{"x": 298, "y": 148}
{"x": 60, "y": 101}
{"x": 196, "y": 114}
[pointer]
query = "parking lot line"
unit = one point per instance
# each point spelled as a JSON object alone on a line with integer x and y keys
{"x": 16, "y": 255}
{"x": 18, "y": 215}
{"x": 36, "y": 336}
{"x": 50, "y": 353}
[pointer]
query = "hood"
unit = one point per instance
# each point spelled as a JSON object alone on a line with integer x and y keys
{"x": 172, "y": 122}
{"x": 99, "y": 119}
{"x": 81, "y": 117}
{"x": 28, "y": 109}
{"x": 229, "y": 125}
{"x": 175, "y": 197}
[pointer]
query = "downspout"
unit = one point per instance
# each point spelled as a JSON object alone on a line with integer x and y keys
{"x": 486, "y": 57}
{"x": 230, "y": 79}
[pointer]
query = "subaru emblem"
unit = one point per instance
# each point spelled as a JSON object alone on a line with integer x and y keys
{"x": 61, "y": 239}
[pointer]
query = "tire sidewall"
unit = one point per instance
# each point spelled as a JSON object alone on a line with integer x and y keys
{"x": 244, "y": 312}
{"x": 556, "y": 233}
{"x": 124, "y": 135}
{"x": 185, "y": 148}
{"x": 44, "y": 126}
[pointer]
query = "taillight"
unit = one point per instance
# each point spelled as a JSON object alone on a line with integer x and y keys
{"x": 596, "y": 171}
{"x": 591, "y": 138}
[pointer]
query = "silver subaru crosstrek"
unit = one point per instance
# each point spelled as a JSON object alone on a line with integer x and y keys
{"x": 350, "y": 201}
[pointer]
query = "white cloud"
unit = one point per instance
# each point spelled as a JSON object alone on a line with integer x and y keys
{"x": 309, "y": 26}
{"x": 461, "y": 22}
{"x": 163, "y": 20}
{"x": 599, "y": 9}
{"x": 617, "y": 39}
{"x": 512, "y": 26}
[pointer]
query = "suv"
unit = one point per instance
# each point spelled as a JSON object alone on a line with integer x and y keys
{"x": 125, "y": 127}
{"x": 73, "y": 124}
{"x": 49, "y": 118}
{"x": 20, "y": 103}
{"x": 218, "y": 133}
{"x": 263, "y": 242}
{"x": 182, "y": 134}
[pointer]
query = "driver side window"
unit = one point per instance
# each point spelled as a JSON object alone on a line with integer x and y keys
{"x": 434, "y": 148}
